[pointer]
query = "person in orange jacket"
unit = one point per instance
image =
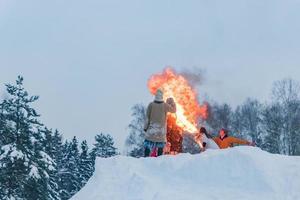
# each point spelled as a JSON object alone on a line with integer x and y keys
{"x": 224, "y": 141}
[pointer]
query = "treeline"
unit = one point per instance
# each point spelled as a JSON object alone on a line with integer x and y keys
{"x": 36, "y": 162}
{"x": 274, "y": 125}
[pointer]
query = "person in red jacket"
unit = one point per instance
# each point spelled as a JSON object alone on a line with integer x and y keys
{"x": 224, "y": 141}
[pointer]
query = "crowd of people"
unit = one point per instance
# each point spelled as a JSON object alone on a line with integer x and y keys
{"x": 163, "y": 136}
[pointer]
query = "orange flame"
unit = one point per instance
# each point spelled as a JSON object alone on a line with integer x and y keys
{"x": 176, "y": 86}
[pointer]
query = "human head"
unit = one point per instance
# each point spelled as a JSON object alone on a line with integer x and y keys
{"x": 170, "y": 101}
{"x": 203, "y": 130}
{"x": 223, "y": 132}
{"x": 159, "y": 96}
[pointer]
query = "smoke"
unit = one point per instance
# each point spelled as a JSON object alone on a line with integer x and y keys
{"x": 195, "y": 76}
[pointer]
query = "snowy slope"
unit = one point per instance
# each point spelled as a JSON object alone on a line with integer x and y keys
{"x": 237, "y": 173}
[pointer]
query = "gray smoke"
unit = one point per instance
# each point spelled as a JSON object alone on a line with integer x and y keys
{"x": 195, "y": 76}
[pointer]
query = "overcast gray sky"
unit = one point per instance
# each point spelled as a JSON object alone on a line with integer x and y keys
{"x": 90, "y": 60}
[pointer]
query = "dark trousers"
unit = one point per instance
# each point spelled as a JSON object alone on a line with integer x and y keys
{"x": 148, "y": 152}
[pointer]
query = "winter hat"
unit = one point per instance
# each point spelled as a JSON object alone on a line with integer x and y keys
{"x": 159, "y": 96}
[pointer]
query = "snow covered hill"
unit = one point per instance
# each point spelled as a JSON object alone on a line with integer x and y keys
{"x": 239, "y": 173}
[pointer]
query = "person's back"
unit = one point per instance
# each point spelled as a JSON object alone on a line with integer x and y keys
{"x": 155, "y": 124}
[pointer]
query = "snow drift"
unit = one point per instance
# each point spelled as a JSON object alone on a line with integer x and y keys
{"x": 236, "y": 173}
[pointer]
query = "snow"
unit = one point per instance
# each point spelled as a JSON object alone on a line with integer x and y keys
{"x": 11, "y": 151}
{"x": 238, "y": 173}
{"x": 34, "y": 172}
{"x": 48, "y": 160}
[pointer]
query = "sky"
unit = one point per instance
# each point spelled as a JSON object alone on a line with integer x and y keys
{"x": 89, "y": 61}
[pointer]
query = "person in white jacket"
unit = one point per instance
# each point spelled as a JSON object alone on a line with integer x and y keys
{"x": 205, "y": 140}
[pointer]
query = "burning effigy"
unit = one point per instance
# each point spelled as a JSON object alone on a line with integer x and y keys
{"x": 189, "y": 110}
{"x": 174, "y": 136}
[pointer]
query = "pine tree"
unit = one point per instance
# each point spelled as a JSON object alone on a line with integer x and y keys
{"x": 272, "y": 126}
{"x": 70, "y": 177}
{"x": 51, "y": 146}
{"x": 86, "y": 164}
{"x": 25, "y": 167}
{"x": 47, "y": 171}
{"x": 63, "y": 172}
{"x": 104, "y": 146}
{"x": 73, "y": 163}
{"x": 3, "y": 127}
{"x": 57, "y": 152}
{"x": 47, "y": 140}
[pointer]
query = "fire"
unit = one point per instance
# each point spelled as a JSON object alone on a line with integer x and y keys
{"x": 176, "y": 86}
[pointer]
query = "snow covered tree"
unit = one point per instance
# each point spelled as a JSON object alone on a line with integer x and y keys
{"x": 63, "y": 172}
{"x": 56, "y": 148}
{"x": 3, "y": 132}
{"x": 69, "y": 174}
{"x": 47, "y": 170}
{"x": 272, "y": 126}
{"x": 247, "y": 121}
{"x": 220, "y": 116}
{"x": 238, "y": 125}
{"x": 134, "y": 142}
{"x": 104, "y": 146}
{"x": 286, "y": 94}
{"x": 86, "y": 164}
{"x": 25, "y": 166}
{"x": 52, "y": 146}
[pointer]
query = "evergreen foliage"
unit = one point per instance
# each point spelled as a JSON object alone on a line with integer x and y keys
{"x": 35, "y": 162}
{"x": 104, "y": 146}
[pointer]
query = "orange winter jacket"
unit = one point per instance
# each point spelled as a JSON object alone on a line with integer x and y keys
{"x": 229, "y": 141}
